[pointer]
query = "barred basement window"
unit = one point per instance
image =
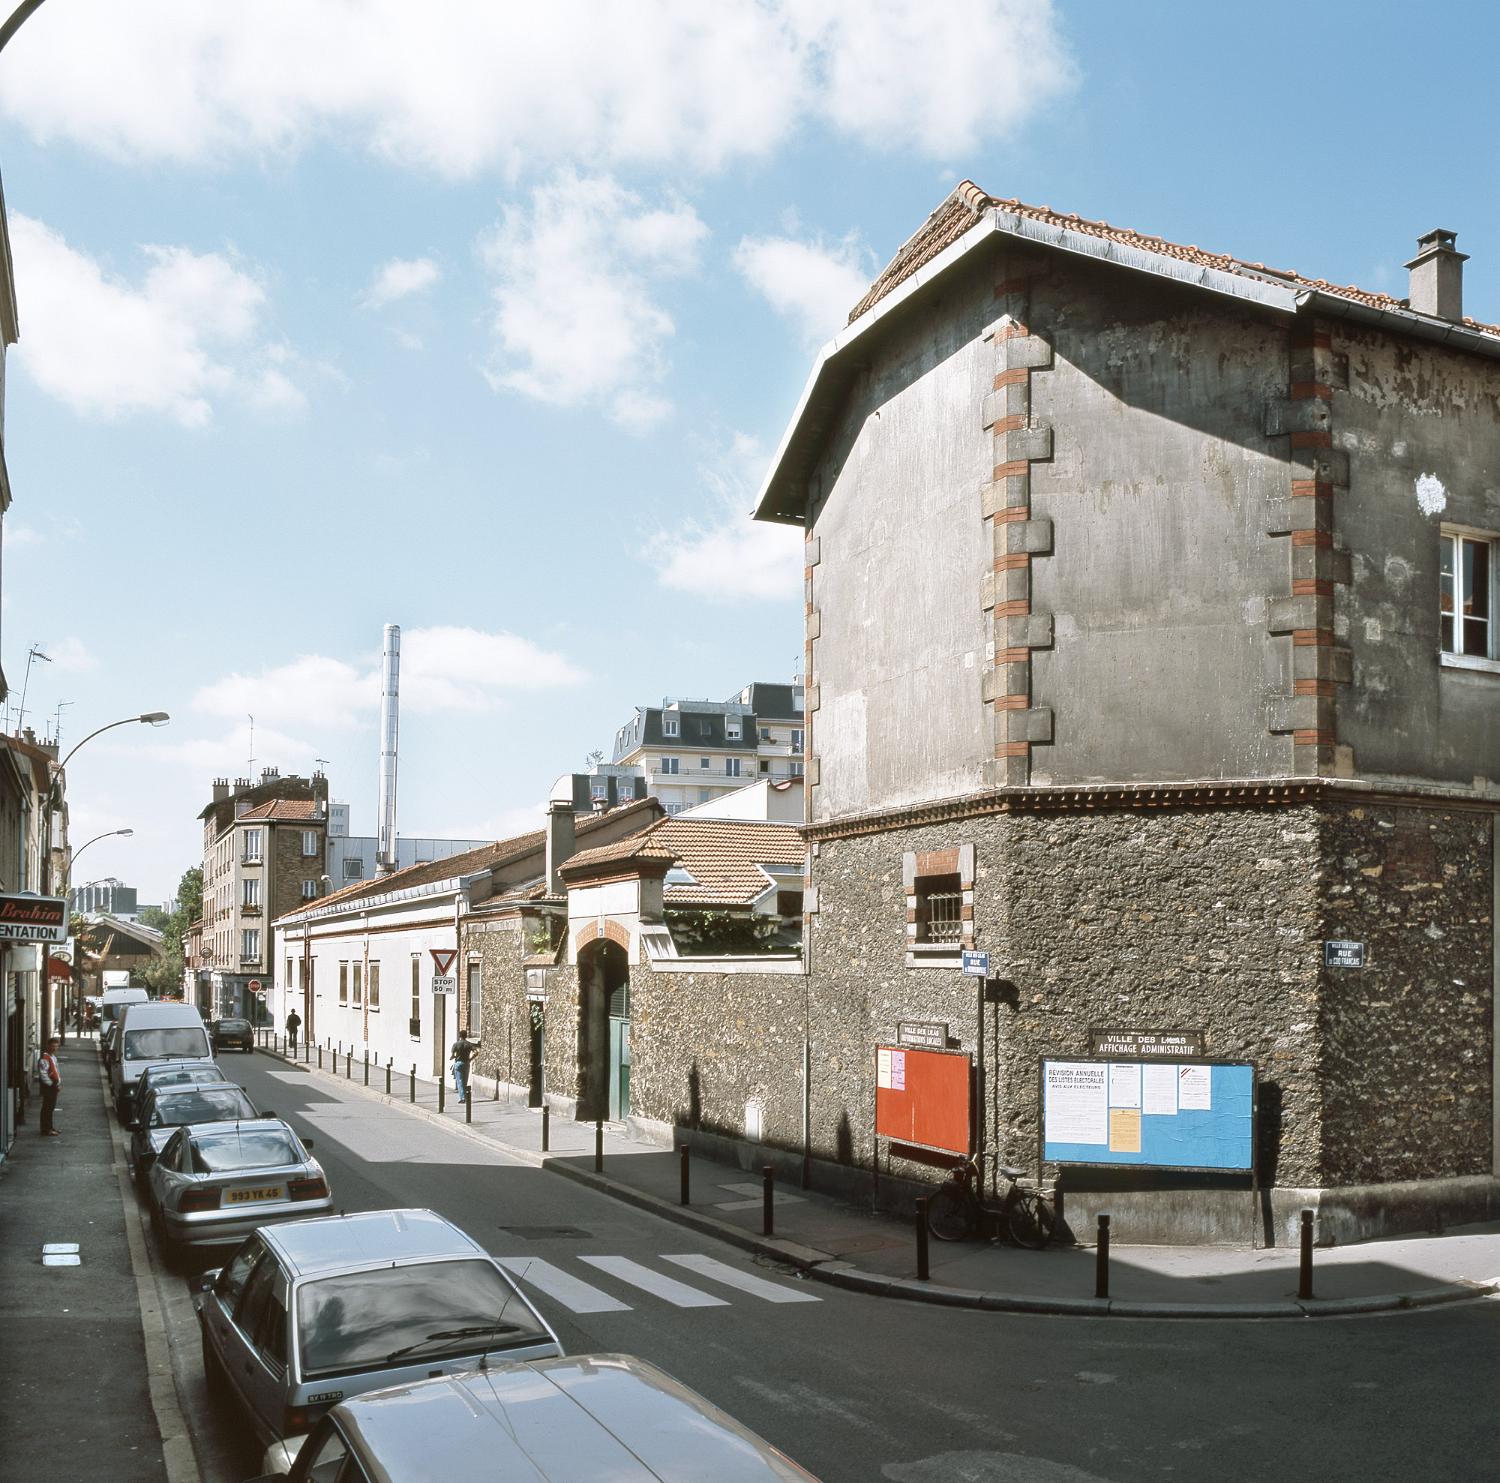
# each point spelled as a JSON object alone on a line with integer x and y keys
{"x": 940, "y": 901}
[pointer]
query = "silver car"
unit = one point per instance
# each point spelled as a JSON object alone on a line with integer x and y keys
{"x": 306, "y": 1315}
{"x": 214, "y": 1183}
{"x": 164, "y": 1109}
{"x": 591, "y": 1416}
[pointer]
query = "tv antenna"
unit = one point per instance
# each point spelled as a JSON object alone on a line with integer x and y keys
{"x": 35, "y": 652}
{"x": 252, "y": 748}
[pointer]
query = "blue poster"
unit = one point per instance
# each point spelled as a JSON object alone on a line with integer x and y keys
{"x": 1149, "y": 1114}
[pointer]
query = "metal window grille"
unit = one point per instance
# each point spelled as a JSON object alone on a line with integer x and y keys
{"x": 940, "y": 910}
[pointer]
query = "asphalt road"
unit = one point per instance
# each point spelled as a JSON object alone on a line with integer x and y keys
{"x": 865, "y": 1388}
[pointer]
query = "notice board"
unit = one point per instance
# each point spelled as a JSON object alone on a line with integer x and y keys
{"x": 1186, "y": 1114}
{"x": 923, "y": 1097}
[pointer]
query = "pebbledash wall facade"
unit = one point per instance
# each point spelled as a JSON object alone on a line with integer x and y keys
{"x": 1123, "y": 619}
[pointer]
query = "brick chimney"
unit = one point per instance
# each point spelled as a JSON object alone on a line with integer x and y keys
{"x": 1437, "y": 276}
{"x": 562, "y": 841}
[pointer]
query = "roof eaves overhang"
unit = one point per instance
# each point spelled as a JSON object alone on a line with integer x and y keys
{"x": 1403, "y": 322}
{"x": 781, "y": 497}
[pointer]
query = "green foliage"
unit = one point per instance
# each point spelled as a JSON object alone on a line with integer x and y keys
{"x": 163, "y": 975}
{"x": 730, "y": 934}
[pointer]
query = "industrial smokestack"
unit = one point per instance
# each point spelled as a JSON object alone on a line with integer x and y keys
{"x": 390, "y": 687}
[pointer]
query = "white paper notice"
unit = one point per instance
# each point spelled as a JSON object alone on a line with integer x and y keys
{"x": 883, "y": 1070}
{"x": 1124, "y": 1083}
{"x": 1077, "y": 1102}
{"x": 898, "y": 1070}
{"x": 1193, "y": 1094}
{"x": 1159, "y": 1089}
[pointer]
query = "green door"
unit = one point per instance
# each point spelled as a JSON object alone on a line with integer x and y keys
{"x": 619, "y": 1053}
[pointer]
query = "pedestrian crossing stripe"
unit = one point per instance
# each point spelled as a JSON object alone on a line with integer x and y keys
{"x": 579, "y": 1296}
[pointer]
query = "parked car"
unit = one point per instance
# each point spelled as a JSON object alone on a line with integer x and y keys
{"x": 175, "y": 1073}
{"x": 589, "y": 1416}
{"x": 214, "y": 1183}
{"x": 231, "y": 1034}
{"x": 150, "y": 1033}
{"x": 309, "y": 1314}
{"x": 164, "y": 1109}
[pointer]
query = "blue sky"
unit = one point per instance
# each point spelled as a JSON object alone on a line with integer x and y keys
{"x": 484, "y": 319}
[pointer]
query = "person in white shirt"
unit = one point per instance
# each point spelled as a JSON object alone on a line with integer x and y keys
{"x": 50, "y": 1077}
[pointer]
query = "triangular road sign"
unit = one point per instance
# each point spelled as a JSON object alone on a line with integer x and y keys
{"x": 442, "y": 959}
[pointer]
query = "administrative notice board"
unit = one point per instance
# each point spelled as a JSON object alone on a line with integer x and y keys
{"x": 1149, "y": 1114}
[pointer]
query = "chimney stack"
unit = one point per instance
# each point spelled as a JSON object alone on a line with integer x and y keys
{"x": 390, "y": 689}
{"x": 562, "y": 840}
{"x": 1437, "y": 276}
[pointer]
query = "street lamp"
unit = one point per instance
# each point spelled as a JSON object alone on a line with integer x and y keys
{"x": 151, "y": 718}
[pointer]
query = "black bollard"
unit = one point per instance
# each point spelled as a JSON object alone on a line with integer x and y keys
{"x": 496, "y": 1097}
{"x": 469, "y": 1103}
{"x": 389, "y": 1063}
{"x": 546, "y": 1129}
{"x": 320, "y": 1058}
{"x": 442, "y": 1093}
{"x": 414, "y": 1081}
{"x": 367, "y": 1065}
{"x": 1304, "y": 1269}
{"x": 599, "y": 1146}
{"x": 924, "y": 1272}
{"x": 1101, "y": 1260}
{"x": 767, "y": 1207}
{"x": 349, "y": 1065}
{"x": 336, "y": 1059}
{"x": 682, "y": 1193}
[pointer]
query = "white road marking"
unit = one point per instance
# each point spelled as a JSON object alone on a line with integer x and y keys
{"x": 571, "y": 1292}
{"x": 772, "y": 1292}
{"x": 679, "y": 1294}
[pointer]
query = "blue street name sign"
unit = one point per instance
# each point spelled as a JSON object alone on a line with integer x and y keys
{"x": 977, "y": 965}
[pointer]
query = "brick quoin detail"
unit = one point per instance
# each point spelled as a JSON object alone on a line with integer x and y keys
{"x": 1006, "y": 505}
{"x": 1316, "y": 569}
{"x": 611, "y": 932}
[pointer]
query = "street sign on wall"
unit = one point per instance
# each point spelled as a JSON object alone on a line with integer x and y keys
{"x": 976, "y": 965}
{"x": 26, "y": 918}
{"x": 1342, "y": 954}
{"x": 445, "y": 983}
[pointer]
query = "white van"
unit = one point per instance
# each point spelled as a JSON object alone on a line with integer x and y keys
{"x": 115, "y": 1001}
{"x": 148, "y": 1035}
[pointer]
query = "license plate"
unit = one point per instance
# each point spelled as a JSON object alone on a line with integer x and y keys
{"x": 241, "y": 1196}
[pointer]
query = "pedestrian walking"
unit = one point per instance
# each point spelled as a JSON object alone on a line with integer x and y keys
{"x": 458, "y": 1060}
{"x": 50, "y": 1079}
{"x": 293, "y": 1024}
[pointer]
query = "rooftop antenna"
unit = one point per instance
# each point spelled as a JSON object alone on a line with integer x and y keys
{"x": 252, "y": 748}
{"x": 57, "y": 724}
{"x": 35, "y": 652}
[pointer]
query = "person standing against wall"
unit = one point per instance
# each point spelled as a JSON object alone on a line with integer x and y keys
{"x": 50, "y": 1079}
{"x": 459, "y": 1057}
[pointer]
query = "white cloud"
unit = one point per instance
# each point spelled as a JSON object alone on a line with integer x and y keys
{"x": 442, "y": 669}
{"x": 72, "y": 655}
{"x": 727, "y": 556}
{"x": 576, "y": 317}
{"x": 459, "y": 86}
{"x": 811, "y": 283}
{"x": 180, "y": 342}
{"x": 400, "y": 279}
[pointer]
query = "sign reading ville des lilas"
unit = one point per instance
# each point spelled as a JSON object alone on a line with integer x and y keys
{"x": 33, "y": 919}
{"x": 1146, "y": 1045}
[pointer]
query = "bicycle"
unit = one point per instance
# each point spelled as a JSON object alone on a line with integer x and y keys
{"x": 959, "y": 1207}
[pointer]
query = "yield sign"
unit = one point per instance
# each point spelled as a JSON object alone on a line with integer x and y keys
{"x": 442, "y": 959}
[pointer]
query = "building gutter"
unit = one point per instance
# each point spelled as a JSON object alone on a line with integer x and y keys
{"x": 1403, "y": 322}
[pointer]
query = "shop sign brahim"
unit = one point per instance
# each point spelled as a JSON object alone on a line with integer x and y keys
{"x": 1145, "y": 1045}
{"x": 25, "y": 918}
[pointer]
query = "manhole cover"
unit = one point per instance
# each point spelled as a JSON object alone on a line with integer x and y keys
{"x": 543, "y": 1233}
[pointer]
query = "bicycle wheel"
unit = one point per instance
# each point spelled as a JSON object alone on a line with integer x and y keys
{"x": 952, "y": 1213}
{"x": 1031, "y": 1220}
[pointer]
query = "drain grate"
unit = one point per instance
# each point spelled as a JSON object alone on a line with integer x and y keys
{"x": 544, "y": 1233}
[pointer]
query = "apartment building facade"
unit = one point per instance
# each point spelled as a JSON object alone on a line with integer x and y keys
{"x": 265, "y": 849}
{"x": 691, "y": 752}
{"x": 354, "y": 857}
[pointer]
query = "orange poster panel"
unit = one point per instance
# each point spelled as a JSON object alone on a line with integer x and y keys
{"x": 922, "y": 1097}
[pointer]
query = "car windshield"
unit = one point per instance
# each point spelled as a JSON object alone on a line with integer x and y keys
{"x": 200, "y": 1105}
{"x": 366, "y": 1320}
{"x": 234, "y": 1026}
{"x": 158, "y": 1045}
{"x": 184, "y": 1076}
{"x": 245, "y": 1148}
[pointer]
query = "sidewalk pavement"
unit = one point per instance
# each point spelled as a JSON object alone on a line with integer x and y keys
{"x": 77, "y": 1395}
{"x": 852, "y": 1247}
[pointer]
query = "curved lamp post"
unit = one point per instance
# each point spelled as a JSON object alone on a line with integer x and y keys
{"x": 151, "y": 718}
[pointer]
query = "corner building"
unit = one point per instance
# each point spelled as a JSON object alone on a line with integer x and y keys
{"x": 1151, "y": 646}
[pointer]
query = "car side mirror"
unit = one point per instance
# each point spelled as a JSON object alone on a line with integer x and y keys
{"x": 206, "y": 1280}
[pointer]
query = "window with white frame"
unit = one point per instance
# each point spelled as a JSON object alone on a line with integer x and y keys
{"x": 343, "y": 983}
{"x": 309, "y": 890}
{"x": 703, "y": 762}
{"x": 939, "y": 908}
{"x": 731, "y": 767}
{"x": 358, "y": 977}
{"x": 732, "y": 730}
{"x": 250, "y": 944}
{"x": 796, "y": 741}
{"x": 1467, "y": 593}
{"x": 252, "y": 845}
{"x": 669, "y": 726}
{"x": 309, "y": 843}
{"x": 414, "y": 1024}
{"x": 250, "y": 891}
{"x": 599, "y": 789}
{"x": 354, "y": 869}
{"x": 670, "y": 764}
{"x": 374, "y": 987}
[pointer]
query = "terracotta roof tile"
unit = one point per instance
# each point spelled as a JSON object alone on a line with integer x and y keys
{"x": 722, "y": 856}
{"x": 282, "y": 808}
{"x": 968, "y": 203}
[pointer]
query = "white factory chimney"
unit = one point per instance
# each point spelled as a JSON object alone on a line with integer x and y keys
{"x": 390, "y": 687}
